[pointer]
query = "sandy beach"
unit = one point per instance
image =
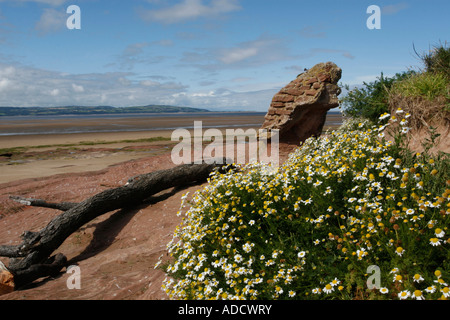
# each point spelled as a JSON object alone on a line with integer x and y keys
{"x": 39, "y": 155}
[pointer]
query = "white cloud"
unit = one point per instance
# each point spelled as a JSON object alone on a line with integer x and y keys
{"x": 149, "y": 83}
{"x": 76, "y": 88}
{"x": 51, "y": 20}
{"x": 237, "y": 54}
{"x": 394, "y": 8}
{"x": 241, "y": 79}
{"x": 359, "y": 80}
{"x": 330, "y": 52}
{"x": 227, "y": 100}
{"x": 164, "y": 43}
{"x": 28, "y": 86}
{"x": 348, "y": 55}
{"x": 312, "y": 32}
{"x": 208, "y": 94}
{"x": 135, "y": 53}
{"x": 4, "y": 83}
{"x": 255, "y": 53}
{"x": 295, "y": 68}
{"x": 190, "y": 10}
{"x": 7, "y": 71}
{"x": 135, "y": 49}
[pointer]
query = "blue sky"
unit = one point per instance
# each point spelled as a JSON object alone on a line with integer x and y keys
{"x": 214, "y": 54}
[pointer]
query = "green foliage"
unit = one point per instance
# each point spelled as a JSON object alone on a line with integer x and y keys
{"x": 427, "y": 85}
{"x": 311, "y": 228}
{"x": 371, "y": 100}
{"x": 437, "y": 60}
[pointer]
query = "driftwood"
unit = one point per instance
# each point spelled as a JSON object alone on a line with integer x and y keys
{"x": 32, "y": 258}
{"x": 63, "y": 206}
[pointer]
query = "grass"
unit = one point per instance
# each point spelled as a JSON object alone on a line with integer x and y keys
{"x": 313, "y": 228}
{"x": 423, "y": 97}
{"x": 437, "y": 60}
{"x": 430, "y": 86}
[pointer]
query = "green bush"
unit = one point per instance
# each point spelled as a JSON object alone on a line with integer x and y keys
{"x": 372, "y": 99}
{"x": 437, "y": 60}
{"x": 425, "y": 96}
{"x": 314, "y": 227}
{"x": 427, "y": 85}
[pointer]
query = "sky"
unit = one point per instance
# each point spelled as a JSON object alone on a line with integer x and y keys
{"x": 222, "y": 55}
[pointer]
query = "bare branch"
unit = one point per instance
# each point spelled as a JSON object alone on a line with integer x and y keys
{"x": 63, "y": 206}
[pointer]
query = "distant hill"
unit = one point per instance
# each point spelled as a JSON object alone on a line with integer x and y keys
{"x": 80, "y": 110}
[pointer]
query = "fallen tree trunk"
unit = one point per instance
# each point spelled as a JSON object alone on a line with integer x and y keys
{"x": 31, "y": 259}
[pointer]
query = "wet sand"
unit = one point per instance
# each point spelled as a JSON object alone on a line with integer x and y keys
{"x": 90, "y": 151}
{"x": 111, "y": 125}
{"x": 77, "y": 138}
{"x": 139, "y": 128}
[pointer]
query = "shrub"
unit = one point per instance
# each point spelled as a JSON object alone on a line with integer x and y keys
{"x": 426, "y": 96}
{"x": 311, "y": 228}
{"x": 372, "y": 99}
{"x": 437, "y": 60}
{"x": 427, "y": 85}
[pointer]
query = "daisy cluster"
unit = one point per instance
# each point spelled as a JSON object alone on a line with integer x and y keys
{"x": 310, "y": 228}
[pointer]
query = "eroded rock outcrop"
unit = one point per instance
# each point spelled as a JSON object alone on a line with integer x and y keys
{"x": 299, "y": 110}
{"x": 6, "y": 280}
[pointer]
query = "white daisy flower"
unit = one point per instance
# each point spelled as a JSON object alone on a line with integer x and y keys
{"x": 405, "y": 294}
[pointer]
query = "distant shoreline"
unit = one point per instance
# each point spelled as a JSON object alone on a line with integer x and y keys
{"x": 131, "y": 115}
{"x": 93, "y": 110}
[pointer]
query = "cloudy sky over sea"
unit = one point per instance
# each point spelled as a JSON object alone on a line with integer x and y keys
{"x": 215, "y": 54}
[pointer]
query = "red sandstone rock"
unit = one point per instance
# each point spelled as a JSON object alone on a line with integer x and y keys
{"x": 6, "y": 280}
{"x": 299, "y": 109}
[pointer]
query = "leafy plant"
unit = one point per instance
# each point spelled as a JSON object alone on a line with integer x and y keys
{"x": 372, "y": 99}
{"x": 427, "y": 85}
{"x": 437, "y": 60}
{"x": 425, "y": 96}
